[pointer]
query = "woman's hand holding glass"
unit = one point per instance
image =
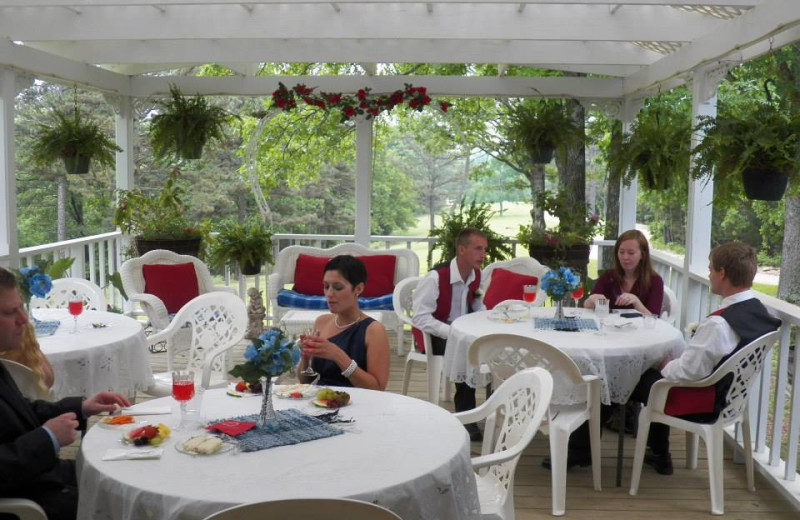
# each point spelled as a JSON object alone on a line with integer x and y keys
{"x": 309, "y": 371}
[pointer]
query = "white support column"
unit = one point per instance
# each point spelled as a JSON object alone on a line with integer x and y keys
{"x": 124, "y": 136}
{"x": 8, "y": 185}
{"x": 363, "y": 180}
{"x": 627, "y": 194}
{"x": 701, "y": 193}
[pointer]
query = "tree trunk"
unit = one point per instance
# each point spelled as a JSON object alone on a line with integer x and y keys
{"x": 789, "y": 282}
{"x": 606, "y": 258}
{"x": 536, "y": 178}
{"x": 61, "y": 208}
{"x": 572, "y": 176}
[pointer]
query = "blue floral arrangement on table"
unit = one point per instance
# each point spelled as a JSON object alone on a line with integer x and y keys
{"x": 558, "y": 282}
{"x": 269, "y": 355}
{"x": 32, "y": 281}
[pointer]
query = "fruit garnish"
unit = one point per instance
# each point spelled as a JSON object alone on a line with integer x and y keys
{"x": 145, "y": 435}
{"x": 332, "y": 398}
{"x": 118, "y": 419}
{"x": 296, "y": 395}
{"x": 241, "y": 386}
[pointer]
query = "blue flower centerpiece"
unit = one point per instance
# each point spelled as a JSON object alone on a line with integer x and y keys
{"x": 267, "y": 356}
{"x": 557, "y": 283}
{"x": 33, "y": 281}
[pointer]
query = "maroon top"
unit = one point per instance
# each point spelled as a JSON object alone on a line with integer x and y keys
{"x": 652, "y": 299}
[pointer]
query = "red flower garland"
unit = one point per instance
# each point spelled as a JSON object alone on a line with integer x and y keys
{"x": 351, "y": 106}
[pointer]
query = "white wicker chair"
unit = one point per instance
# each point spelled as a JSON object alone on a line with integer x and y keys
{"x": 507, "y": 354}
{"x": 64, "y": 288}
{"x": 307, "y": 509}
{"x": 23, "y": 508}
{"x": 522, "y": 402}
{"x": 522, "y": 265}
{"x": 217, "y": 322}
{"x": 744, "y": 365}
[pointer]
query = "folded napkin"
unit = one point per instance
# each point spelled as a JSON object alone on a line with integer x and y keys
{"x": 231, "y": 427}
{"x": 133, "y": 454}
{"x": 144, "y": 410}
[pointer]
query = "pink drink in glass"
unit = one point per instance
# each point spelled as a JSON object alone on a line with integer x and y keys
{"x": 182, "y": 390}
{"x": 75, "y": 307}
{"x": 577, "y": 294}
{"x": 529, "y": 297}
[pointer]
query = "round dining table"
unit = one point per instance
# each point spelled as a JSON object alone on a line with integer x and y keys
{"x": 399, "y": 452}
{"x": 109, "y": 352}
{"x": 618, "y": 356}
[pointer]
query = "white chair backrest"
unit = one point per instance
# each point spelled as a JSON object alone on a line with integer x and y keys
{"x": 23, "y": 508}
{"x": 522, "y": 401}
{"x": 307, "y": 509}
{"x": 402, "y": 299}
{"x": 133, "y": 279}
{"x": 26, "y": 379}
{"x": 507, "y": 354}
{"x": 522, "y": 265}
{"x": 217, "y": 321}
{"x": 64, "y": 288}
{"x": 670, "y": 308}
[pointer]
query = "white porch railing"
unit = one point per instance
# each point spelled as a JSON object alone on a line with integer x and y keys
{"x": 776, "y": 426}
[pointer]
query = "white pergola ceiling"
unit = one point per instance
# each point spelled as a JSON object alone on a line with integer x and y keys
{"x": 635, "y": 44}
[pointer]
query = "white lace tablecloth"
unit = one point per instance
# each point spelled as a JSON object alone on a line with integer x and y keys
{"x": 619, "y": 357}
{"x": 93, "y": 359}
{"x": 402, "y": 453}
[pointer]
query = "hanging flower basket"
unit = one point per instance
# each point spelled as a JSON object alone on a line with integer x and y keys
{"x": 762, "y": 184}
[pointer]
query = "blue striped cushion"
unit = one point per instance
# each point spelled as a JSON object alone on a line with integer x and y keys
{"x": 287, "y": 298}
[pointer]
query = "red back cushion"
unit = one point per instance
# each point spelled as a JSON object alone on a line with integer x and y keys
{"x": 174, "y": 284}
{"x": 687, "y": 401}
{"x": 506, "y": 285}
{"x": 380, "y": 274}
{"x": 308, "y": 272}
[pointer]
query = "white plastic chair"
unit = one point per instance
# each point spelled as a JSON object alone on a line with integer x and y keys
{"x": 22, "y": 507}
{"x": 217, "y": 322}
{"x": 507, "y": 354}
{"x": 523, "y": 265}
{"x": 403, "y": 306}
{"x": 745, "y": 365}
{"x": 64, "y": 288}
{"x": 670, "y": 308}
{"x": 27, "y": 381}
{"x": 522, "y": 401}
{"x": 307, "y": 509}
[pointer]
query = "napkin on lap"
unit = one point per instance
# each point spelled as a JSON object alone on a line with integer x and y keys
{"x": 133, "y": 454}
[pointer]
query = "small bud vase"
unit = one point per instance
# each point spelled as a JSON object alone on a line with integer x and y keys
{"x": 559, "y": 308}
{"x": 267, "y": 419}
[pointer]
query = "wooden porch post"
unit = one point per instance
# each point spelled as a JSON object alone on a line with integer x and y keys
{"x": 701, "y": 192}
{"x": 8, "y": 184}
{"x": 363, "y": 180}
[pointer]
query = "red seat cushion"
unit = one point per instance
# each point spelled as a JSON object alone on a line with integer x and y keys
{"x": 308, "y": 272}
{"x": 687, "y": 401}
{"x": 506, "y": 285}
{"x": 174, "y": 284}
{"x": 380, "y": 274}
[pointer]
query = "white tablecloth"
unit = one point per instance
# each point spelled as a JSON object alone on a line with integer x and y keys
{"x": 619, "y": 357}
{"x": 111, "y": 358}
{"x": 402, "y": 453}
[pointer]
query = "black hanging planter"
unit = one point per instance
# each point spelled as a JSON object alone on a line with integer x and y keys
{"x": 250, "y": 268}
{"x": 764, "y": 184}
{"x": 78, "y": 164}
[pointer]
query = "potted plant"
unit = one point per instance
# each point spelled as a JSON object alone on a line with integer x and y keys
{"x": 539, "y": 127}
{"x": 657, "y": 149}
{"x": 755, "y": 145}
{"x": 74, "y": 139}
{"x": 475, "y": 215}
{"x": 249, "y": 244}
{"x": 185, "y": 124}
{"x": 567, "y": 243}
{"x": 157, "y": 220}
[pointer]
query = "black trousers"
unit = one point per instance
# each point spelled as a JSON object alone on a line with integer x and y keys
{"x": 464, "y": 399}
{"x": 60, "y": 502}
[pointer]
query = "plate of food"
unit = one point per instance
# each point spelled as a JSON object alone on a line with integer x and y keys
{"x": 509, "y": 312}
{"x": 242, "y": 389}
{"x": 114, "y": 422}
{"x": 203, "y": 445}
{"x": 146, "y": 435}
{"x": 329, "y": 398}
{"x": 299, "y": 391}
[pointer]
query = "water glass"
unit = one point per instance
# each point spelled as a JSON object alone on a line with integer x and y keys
{"x": 601, "y": 310}
{"x": 650, "y": 321}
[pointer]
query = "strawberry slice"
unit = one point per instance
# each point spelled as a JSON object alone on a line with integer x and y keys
{"x": 138, "y": 432}
{"x": 150, "y": 431}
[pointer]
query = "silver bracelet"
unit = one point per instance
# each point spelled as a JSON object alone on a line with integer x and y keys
{"x": 347, "y": 372}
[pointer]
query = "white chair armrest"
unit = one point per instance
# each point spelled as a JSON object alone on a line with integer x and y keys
{"x": 154, "y": 308}
{"x": 474, "y": 415}
{"x": 22, "y": 507}
{"x": 492, "y": 459}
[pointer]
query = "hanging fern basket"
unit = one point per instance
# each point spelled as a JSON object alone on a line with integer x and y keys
{"x": 251, "y": 268}
{"x": 764, "y": 184}
{"x": 77, "y": 165}
{"x": 543, "y": 155}
{"x": 190, "y": 148}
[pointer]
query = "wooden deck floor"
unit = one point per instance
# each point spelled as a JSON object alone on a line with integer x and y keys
{"x": 682, "y": 496}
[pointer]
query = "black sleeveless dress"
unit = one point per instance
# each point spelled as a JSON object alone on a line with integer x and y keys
{"x": 353, "y": 341}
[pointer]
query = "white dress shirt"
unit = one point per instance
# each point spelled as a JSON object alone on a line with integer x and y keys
{"x": 713, "y": 340}
{"x": 427, "y": 294}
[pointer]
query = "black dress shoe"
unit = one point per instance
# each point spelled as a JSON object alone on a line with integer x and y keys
{"x": 574, "y": 458}
{"x": 475, "y": 434}
{"x": 661, "y": 462}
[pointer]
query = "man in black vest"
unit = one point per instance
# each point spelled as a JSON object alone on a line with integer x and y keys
{"x": 31, "y": 433}
{"x": 740, "y": 319}
{"x": 447, "y": 292}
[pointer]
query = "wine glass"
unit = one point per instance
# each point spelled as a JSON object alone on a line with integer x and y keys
{"x": 75, "y": 308}
{"x": 601, "y": 310}
{"x": 576, "y": 295}
{"x": 182, "y": 391}
{"x": 529, "y": 296}
{"x": 309, "y": 371}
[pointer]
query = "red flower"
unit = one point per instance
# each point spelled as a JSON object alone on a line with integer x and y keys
{"x": 445, "y": 105}
{"x": 361, "y": 94}
{"x": 320, "y": 103}
{"x": 308, "y": 100}
{"x": 413, "y": 103}
{"x": 374, "y": 111}
{"x": 363, "y": 104}
{"x": 302, "y": 89}
{"x": 426, "y": 100}
{"x": 349, "y": 111}
{"x": 332, "y": 98}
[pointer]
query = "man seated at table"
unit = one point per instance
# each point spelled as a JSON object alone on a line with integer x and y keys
{"x": 740, "y": 319}
{"x": 31, "y": 433}
{"x": 448, "y": 291}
